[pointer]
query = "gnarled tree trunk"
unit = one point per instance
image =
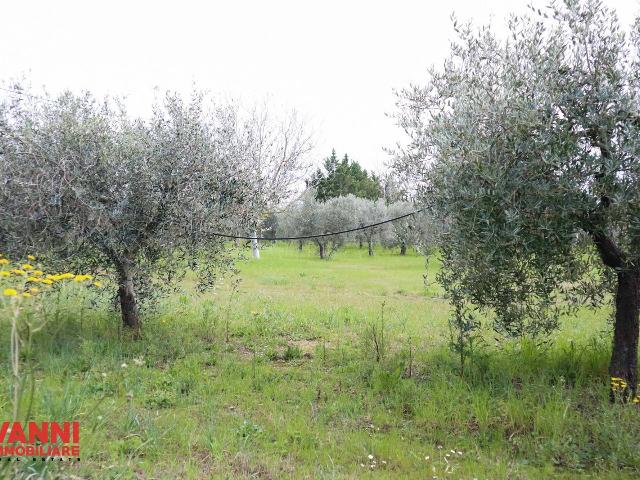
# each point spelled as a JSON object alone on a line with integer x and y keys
{"x": 127, "y": 295}
{"x": 321, "y": 250}
{"x": 623, "y": 367}
{"x": 624, "y": 355}
{"x": 370, "y": 247}
{"x": 403, "y": 248}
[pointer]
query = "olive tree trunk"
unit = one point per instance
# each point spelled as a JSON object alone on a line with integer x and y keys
{"x": 624, "y": 355}
{"x": 127, "y": 295}
{"x": 403, "y": 248}
{"x": 321, "y": 250}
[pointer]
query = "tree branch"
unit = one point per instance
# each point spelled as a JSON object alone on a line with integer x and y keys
{"x": 611, "y": 255}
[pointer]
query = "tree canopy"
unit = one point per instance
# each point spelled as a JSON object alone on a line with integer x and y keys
{"x": 344, "y": 177}
{"x": 527, "y": 148}
{"x": 95, "y": 189}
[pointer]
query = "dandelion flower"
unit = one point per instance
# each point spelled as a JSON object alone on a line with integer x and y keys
{"x": 26, "y": 294}
{"x": 34, "y": 290}
{"x": 97, "y": 283}
{"x": 4, "y": 261}
{"x": 31, "y": 257}
{"x": 38, "y": 272}
{"x": 33, "y": 279}
{"x": 4, "y": 273}
{"x": 27, "y": 266}
{"x": 47, "y": 281}
{"x": 17, "y": 271}
{"x": 10, "y": 292}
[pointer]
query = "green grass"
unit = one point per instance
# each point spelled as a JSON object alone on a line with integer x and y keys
{"x": 280, "y": 380}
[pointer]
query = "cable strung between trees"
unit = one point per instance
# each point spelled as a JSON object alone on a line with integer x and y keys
{"x": 319, "y": 235}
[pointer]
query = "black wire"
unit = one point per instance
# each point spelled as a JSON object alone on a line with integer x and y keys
{"x": 305, "y": 237}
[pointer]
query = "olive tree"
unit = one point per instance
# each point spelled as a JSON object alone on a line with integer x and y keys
{"x": 308, "y": 217}
{"x": 528, "y": 149}
{"x": 142, "y": 199}
{"x": 336, "y": 214}
{"x": 300, "y": 218}
{"x": 403, "y": 232}
{"x": 369, "y": 212}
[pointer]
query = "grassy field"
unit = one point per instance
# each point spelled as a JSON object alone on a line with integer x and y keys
{"x": 325, "y": 369}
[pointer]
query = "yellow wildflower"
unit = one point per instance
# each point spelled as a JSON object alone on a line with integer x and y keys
{"x": 97, "y": 283}
{"x": 82, "y": 278}
{"x": 4, "y": 273}
{"x": 26, "y": 294}
{"x": 64, "y": 276}
{"x": 34, "y": 279}
{"x": 10, "y": 292}
{"x": 38, "y": 272}
{"x": 47, "y": 281}
{"x": 26, "y": 266}
{"x": 18, "y": 271}
{"x": 34, "y": 290}
{"x": 618, "y": 384}
{"x": 31, "y": 257}
{"x": 4, "y": 261}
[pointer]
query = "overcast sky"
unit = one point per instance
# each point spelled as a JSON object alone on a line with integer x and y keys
{"x": 336, "y": 62}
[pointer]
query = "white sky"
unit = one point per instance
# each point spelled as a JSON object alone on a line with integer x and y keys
{"x": 336, "y": 62}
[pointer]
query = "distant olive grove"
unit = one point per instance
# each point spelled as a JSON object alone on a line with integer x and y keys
{"x": 342, "y": 195}
{"x": 308, "y": 216}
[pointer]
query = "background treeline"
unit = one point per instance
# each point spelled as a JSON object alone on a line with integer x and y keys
{"x": 344, "y": 196}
